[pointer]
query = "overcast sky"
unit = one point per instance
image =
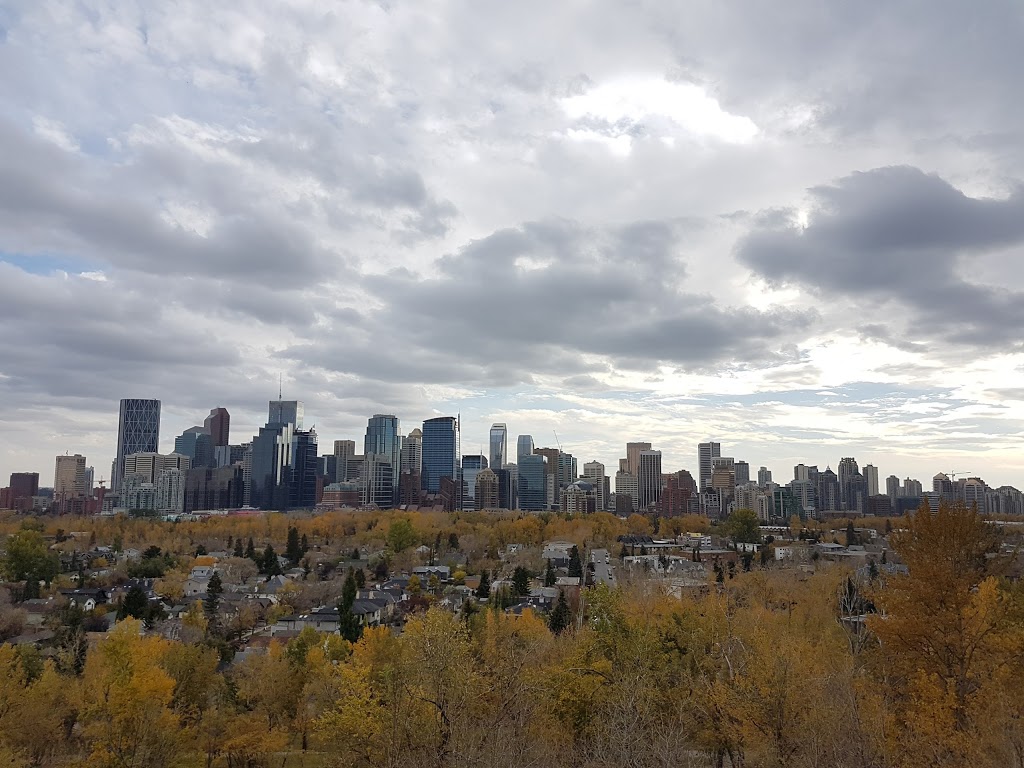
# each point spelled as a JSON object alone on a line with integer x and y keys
{"x": 795, "y": 228}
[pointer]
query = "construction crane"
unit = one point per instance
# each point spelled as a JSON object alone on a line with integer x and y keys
{"x": 952, "y": 475}
{"x": 556, "y": 442}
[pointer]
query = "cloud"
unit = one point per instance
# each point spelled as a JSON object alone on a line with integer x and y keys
{"x": 599, "y": 224}
{"x": 899, "y": 239}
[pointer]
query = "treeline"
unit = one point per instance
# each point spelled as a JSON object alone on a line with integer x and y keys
{"x": 770, "y": 668}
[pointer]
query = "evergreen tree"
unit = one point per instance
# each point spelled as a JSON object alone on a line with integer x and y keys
{"x": 304, "y": 545}
{"x": 134, "y": 605}
{"x": 549, "y": 575}
{"x": 575, "y": 564}
{"x": 269, "y": 562}
{"x": 360, "y": 578}
{"x": 521, "y": 581}
{"x": 293, "y": 549}
{"x": 885, "y": 559}
{"x": 748, "y": 559}
{"x": 851, "y": 535}
{"x": 211, "y": 604}
{"x": 348, "y": 624}
{"x": 560, "y": 617}
{"x": 250, "y": 552}
{"x": 623, "y": 553}
{"x": 200, "y": 550}
{"x": 453, "y": 541}
{"x": 239, "y": 551}
{"x": 484, "y": 590}
{"x": 355, "y": 554}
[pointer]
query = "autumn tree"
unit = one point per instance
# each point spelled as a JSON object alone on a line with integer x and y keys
{"x": 28, "y": 559}
{"x": 400, "y": 535}
{"x": 743, "y": 527}
{"x": 127, "y": 719}
{"x": 950, "y": 633}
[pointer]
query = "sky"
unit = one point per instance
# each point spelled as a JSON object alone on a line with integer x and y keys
{"x": 794, "y": 228}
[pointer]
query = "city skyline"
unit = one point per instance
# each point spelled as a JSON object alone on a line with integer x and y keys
{"x": 795, "y": 233}
{"x": 673, "y": 461}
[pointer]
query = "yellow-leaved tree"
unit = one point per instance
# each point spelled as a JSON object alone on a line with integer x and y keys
{"x": 126, "y": 713}
{"x": 951, "y": 640}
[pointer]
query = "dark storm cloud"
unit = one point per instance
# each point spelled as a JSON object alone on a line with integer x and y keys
{"x": 71, "y": 337}
{"x": 558, "y": 298}
{"x": 896, "y": 238}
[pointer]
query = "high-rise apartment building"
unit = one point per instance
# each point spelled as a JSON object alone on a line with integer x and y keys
{"x": 870, "y": 473}
{"x": 648, "y": 478}
{"x": 892, "y": 488}
{"x": 912, "y": 488}
{"x": 486, "y": 491}
{"x": 593, "y": 471}
{"x": 633, "y": 451}
{"x": 302, "y": 479}
{"x": 138, "y": 431}
{"x": 440, "y": 452}
{"x": 170, "y": 491}
{"x": 764, "y": 476}
{"x": 828, "y": 491}
{"x": 498, "y": 457}
{"x": 412, "y": 452}
{"x": 286, "y": 412}
{"x": 705, "y": 453}
{"x": 218, "y": 427}
{"x": 149, "y": 466}
{"x": 848, "y": 469}
{"x": 344, "y": 452}
{"x": 742, "y": 471}
{"x": 23, "y": 487}
{"x": 627, "y": 485}
{"x": 69, "y": 479}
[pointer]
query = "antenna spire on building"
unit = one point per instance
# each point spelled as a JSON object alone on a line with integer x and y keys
{"x": 280, "y": 385}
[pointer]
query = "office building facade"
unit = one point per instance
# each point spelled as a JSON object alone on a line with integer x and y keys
{"x": 440, "y": 452}
{"x": 138, "y": 431}
{"x": 498, "y": 442}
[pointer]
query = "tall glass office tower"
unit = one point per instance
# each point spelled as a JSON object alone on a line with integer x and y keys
{"x": 533, "y": 487}
{"x": 524, "y": 447}
{"x": 383, "y": 441}
{"x": 138, "y": 431}
{"x": 440, "y": 451}
{"x": 499, "y": 447}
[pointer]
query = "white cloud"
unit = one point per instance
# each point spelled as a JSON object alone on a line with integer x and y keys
{"x": 54, "y": 132}
{"x": 664, "y": 109}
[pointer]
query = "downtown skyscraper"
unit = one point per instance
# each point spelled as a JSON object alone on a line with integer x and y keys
{"x": 138, "y": 431}
{"x": 499, "y": 447}
{"x": 440, "y": 452}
